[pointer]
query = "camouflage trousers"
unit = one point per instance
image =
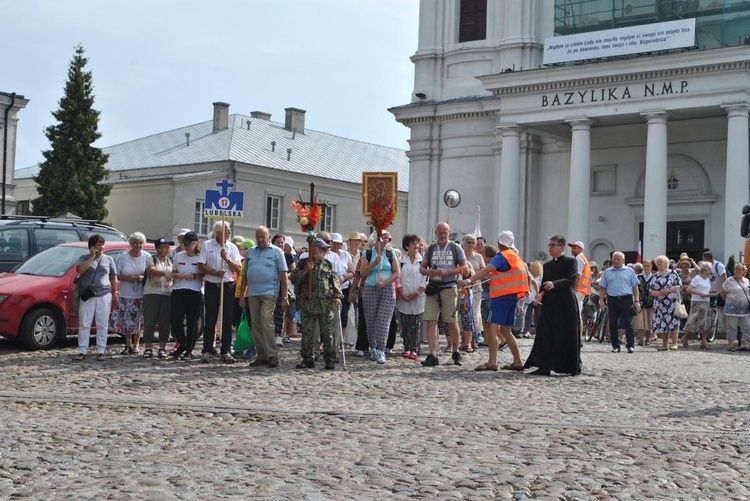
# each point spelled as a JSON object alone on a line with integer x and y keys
{"x": 307, "y": 326}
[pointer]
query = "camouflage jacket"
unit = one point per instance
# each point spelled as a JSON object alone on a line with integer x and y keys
{"x": 325, "y": 287}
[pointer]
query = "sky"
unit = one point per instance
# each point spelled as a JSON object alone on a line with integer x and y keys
{"x": 158, "y": 65}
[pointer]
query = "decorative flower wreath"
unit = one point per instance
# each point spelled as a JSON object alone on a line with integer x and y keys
{"x": 383, "y": 214}
{"x": 308, "y": 217}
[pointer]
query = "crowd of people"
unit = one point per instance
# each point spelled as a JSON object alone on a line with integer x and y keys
{"x": 361, "y": 293}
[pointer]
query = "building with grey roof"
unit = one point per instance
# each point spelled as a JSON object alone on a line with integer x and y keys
{"x": 159, "y": 181}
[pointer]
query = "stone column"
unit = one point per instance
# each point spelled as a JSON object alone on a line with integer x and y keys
{"x": 510, "y": 179}
{"x": 738, "y": 179}
{"x": 655, "y": 191}
{"x": 579, "y": 189}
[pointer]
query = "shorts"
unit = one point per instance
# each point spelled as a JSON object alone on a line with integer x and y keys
{"x": 580, "y": 297}
{"x": 448, "y": 304}
{"x": 503, "y": 310}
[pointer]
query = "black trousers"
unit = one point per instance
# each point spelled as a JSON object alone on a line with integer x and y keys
{"x": 621, "y": 306}
{"x": 185, "y": 307}
{"x": 213, "y": 292}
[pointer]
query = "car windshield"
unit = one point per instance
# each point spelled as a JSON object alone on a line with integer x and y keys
{"x": 52, "y": 262}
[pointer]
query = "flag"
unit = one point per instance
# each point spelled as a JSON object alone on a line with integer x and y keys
{"x": 638, "y": 257}
{"x": 477, "y": 231}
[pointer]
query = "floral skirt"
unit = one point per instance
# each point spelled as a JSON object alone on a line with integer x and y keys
{"x": 127, "y": 319}
{"x": 700, "y": 317}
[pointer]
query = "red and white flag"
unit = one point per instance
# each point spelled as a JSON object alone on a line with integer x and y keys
{"x": 639, "y": 257}
{"x": 477, "y": 231}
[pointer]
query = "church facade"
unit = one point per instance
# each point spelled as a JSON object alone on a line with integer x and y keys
{"x": 616, "y": 150}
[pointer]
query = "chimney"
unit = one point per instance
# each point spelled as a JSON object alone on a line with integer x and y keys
{"x": 260, "y": 115}
{"x": 221, "y": 116}
{"x": 295, "y": 119}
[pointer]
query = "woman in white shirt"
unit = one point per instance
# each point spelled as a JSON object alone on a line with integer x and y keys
{"x": 128, "y": 318}
{"x": 156, "y": 298}
{"x": 411, "y": 298}
{"x": 736, "y": 295}
{"x": 186, "y": 295}
{"x": 700, "y": 307}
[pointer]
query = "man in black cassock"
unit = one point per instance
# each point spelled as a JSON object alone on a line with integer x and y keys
{"x": 557, "y": 344}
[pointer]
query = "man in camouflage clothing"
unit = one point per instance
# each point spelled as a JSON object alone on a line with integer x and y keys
{"x": 326, "y": 295}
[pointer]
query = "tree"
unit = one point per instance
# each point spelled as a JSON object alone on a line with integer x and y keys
{"x": 69, "y": 177}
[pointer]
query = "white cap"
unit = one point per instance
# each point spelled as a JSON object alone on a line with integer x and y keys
{"x": 506, "y": 238}
{"x": 290, "y": 242}
{"x": 183, "y": 232}
{"x": 577, "y": 243}
{"x": 336, "y": 237}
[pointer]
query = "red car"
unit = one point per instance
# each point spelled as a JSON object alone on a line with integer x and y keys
{"x": 35, "y": 297}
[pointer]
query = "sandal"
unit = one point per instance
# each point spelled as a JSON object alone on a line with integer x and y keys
{"x": 673, "y": 347}
{"x": 467, "y": 349}
{"x": 101, "y": 357}
{"x": 511, "y": 367}
{"x": 486, "y": 367}
{"x": 732, "y": 348}
{"x": 148, "y": 353}
{"x": 162, "y": 353}
{"x": 79, "y": 358}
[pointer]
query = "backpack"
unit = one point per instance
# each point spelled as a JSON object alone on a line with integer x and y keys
{"x": 388, "y": 255}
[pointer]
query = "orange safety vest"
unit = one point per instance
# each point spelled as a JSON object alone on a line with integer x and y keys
{"x": 584, "y": 281}
{"x": 514, "y": 281}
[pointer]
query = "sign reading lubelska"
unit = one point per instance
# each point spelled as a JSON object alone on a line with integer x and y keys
{"x": 223, "y": 204}
{"x": 620, "y": 41}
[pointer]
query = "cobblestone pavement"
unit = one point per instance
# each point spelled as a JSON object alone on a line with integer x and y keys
{"x": 657, "y": 425}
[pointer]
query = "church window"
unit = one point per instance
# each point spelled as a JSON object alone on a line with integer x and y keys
{"x": 472, "y": 20}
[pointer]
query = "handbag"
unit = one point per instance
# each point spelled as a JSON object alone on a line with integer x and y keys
{"x": 86, "y": 293}
{"x": 243, "y": 341}
{"x": 431, "y": 289}
{"x": 679, "y": 308}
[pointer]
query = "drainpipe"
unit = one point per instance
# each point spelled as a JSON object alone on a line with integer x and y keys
{"x": 5, "y": 148}
{"x": 234, "y": 181}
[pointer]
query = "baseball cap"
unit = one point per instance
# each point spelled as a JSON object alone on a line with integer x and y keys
{"x": 577, "y": 243}
{"x": 190, "y": 237}
{"x": 506, "y": 238}
{"x": 183, "y": 232}
{"x": 320, "y": 243}
{"x": 337, "y": 238}
{"x": 247, "y": 244}
{"x": 162, "y": 241}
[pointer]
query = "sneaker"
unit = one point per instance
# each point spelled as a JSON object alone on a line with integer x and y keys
{"x": 502, "y": 346}
{"x": 413, "y": 355}
{"x": 227, "y": 358}
{"x": 249, "y": 354}
{"x": 279, "y": 342}
{"x": 480, "y": 338}
{"x": 162, "y": 353}
{"x": 405, "y": 354}
{"x": 188, "y": 355}
{"x": 205, "y": 357}
{"x": 125, "y": 351}
{"x": 148, "y": 353}
{"x": 331, "y": 365}
{"x": 359, "y": 353}
{"x": 380, "y": 358}
{"x": 430, "y": 361}
{"x": 133, "y": 350}
{"x": 373, "y": 355}
{"x": 456, "y": 358}
{"x": 287, "y": 340}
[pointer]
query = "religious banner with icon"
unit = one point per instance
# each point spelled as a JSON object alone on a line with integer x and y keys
{"x": 380, "y": 198}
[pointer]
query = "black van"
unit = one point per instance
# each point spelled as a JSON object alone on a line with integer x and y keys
{"x": 24, "y": 236}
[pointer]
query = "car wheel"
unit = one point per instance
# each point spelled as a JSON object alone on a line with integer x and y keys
{"x": 39, "y": 329}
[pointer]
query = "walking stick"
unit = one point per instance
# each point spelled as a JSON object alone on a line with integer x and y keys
{"x": 341, "y": 335}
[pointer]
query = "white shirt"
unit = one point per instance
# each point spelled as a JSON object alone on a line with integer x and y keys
{"x": 184, "y": 265}
{"x": 332, "y": 258}
{"x": 212, "y": 252}
{"x": 410, "y": 280}
{"x": 702, "y": 285}
{"x": 344, "y": 260}
{"x": 132, "y": 266}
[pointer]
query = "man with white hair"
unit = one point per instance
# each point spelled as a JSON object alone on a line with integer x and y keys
{"x": 621, "y": 286}
{"x": 509, "y": 282}
{"x": 223, "y": 261}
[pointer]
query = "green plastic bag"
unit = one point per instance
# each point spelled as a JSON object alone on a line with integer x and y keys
{"x": 243, "y": 341}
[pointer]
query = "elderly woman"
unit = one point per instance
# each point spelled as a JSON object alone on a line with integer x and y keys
{"x": 98, "y": 273}
{"x": 664, "y": 288}
{"x": 736, "y": 295}
{"x": 642, "y": 321}
{"x": 131, "y": 268}
{"x": 380, "y": 268}
{"x": 411, "y": 298}
{"x": 471, "y": 317}
{"x": 156, "y": 298}
{"x": 700, "y": 306}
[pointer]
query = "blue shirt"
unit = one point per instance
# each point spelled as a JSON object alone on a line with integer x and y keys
{"x": 263, "y": 269}
{"x": 500, "y": 263}
{"x": 382, "y": 271}
{"x": 618, "y": 282}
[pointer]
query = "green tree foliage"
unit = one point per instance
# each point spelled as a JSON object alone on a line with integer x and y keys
{"x": 69, "y": 177}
